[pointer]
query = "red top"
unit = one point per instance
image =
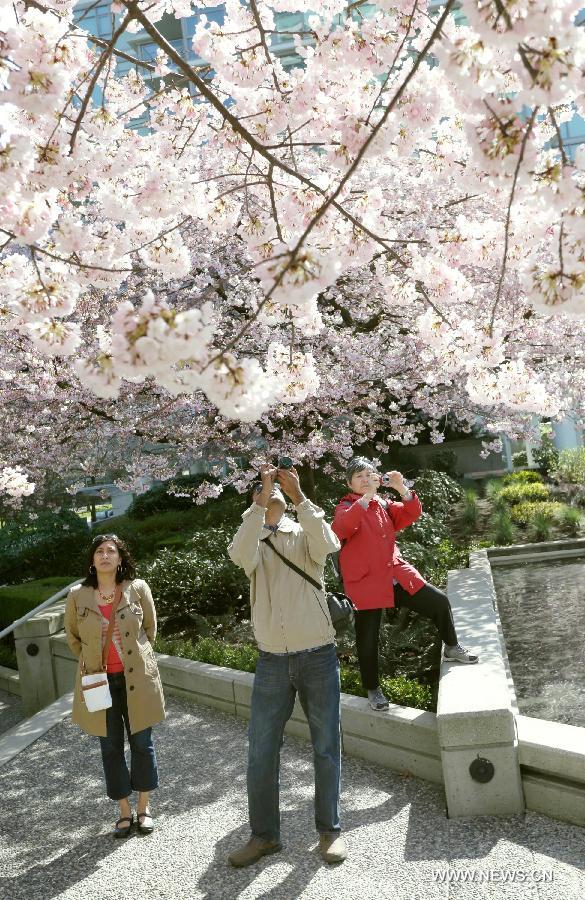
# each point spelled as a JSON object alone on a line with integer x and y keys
{"x": 114, "y": 664}
{"x": 369, "y": 558}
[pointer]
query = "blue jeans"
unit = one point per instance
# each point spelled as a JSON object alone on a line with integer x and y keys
{"x": 315, "y": 675}
{"x": 119, "y": 782}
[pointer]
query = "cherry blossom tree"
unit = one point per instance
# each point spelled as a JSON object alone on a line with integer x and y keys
{"x": 289, "y": 260}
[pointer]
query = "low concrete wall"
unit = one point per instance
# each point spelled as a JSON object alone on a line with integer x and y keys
{"x": 401, "y": 739}
{"x": 474, "y": 713}
{"x": 552, "y": 759}
{"x": 9, "y": 681}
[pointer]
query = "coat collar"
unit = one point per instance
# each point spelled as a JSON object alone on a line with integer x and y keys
{"x": 287, "y": 525}
{"x": 89, "y": 599}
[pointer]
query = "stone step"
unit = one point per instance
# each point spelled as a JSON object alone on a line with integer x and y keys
{"x": 30, "y": 730}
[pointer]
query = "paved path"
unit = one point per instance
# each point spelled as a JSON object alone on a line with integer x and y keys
{"x": 11, "y": 711}
{"x": 55, "y": 840}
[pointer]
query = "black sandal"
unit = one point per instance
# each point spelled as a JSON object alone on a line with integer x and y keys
{"x": 144, "y": 829}
{"x": 123, "y": 832}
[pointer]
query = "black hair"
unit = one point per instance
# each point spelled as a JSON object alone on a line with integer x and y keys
{"x": 127, "y": 569}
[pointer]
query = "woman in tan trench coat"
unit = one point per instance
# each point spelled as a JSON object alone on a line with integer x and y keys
{"x": 133, "y": 677}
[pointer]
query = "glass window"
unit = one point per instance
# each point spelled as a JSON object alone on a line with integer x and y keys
{"x": 96, "y": 20}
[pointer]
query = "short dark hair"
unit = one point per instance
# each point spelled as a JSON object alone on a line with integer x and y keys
{"x": 127, "y": 567}
{"x": 357, "y": 464}
{"x": 253, "y": 491}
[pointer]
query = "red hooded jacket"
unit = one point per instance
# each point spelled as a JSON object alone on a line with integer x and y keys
{"x": 369, "y": 559}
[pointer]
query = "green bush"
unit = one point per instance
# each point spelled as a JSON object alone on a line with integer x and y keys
{"x": 524, "y": 493}
{"x": 525, "y": 513}
{"x": 527, "y": 476}
{"x": 37, "y": 545}
{"x": 438, "y": 492}
{"x": 18, "y": 599}
{"x": 427, "y": 531}
{"x": 447, "y": 555}
{"x": 201, "y": 579}
{"x": 520, "y": 458}
{"x": 571, "y": 466}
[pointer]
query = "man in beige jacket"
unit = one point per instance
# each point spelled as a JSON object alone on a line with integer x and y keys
{"x": 296, "y": 640}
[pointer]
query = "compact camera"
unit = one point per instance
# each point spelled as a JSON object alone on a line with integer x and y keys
{"x": 385, "y": 480}
{"x": 285, "y": 463}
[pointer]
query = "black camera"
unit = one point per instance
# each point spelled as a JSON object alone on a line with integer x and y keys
{"x": 285, "y": 462}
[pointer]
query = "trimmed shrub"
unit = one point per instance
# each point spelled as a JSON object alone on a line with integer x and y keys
{"x": 525, "y": 513}
{"x": 520, "y": 458}
{"x": 37, "y": 545}
{"x": 18, "y": 599}
{"x": 8, "y": 653}
{"x": 571, "y": 466}
{"x": 201, "y": 579}
{"x": 524, "y": 493}
{"x": 527, "y": 476}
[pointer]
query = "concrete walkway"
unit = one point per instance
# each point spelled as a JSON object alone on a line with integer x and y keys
{"x": 11, "y": 711}
{"x": 55, "y": 839}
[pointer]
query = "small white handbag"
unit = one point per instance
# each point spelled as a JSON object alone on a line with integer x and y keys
{"x": 95, "y": 689}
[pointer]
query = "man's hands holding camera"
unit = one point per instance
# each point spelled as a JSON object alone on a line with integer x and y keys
{"x": 288, "y": 480}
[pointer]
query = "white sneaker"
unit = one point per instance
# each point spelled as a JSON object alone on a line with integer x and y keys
{"x": 377, "y": 700}
{"x": 460, "y": 654}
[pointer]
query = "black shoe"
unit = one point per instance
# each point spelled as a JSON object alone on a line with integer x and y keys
{"x": 125, "y": 831}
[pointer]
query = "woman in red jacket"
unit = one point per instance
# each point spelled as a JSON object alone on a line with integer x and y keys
{"x": 374, "y": 574}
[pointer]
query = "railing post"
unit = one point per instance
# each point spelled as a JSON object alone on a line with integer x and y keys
{"x": 38, "y": 685}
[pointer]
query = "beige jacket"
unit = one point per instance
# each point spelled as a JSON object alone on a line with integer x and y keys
{"x": 136, "y": 618}
{"x": 288, "y": 614}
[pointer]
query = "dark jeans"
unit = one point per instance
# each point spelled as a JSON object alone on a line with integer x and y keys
{"x": 119, "y": 782}
{"x": 429, "y": 602}
{"x": 315, "y": 675}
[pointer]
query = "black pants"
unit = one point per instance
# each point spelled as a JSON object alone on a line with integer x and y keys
{"x": 144, "y": 774}
{"x": 429, "y": 602}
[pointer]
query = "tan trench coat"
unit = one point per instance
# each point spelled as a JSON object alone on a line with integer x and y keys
{"x": 136, "y": 618}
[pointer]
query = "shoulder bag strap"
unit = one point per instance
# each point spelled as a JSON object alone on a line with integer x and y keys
{"x": 110, "y": 631}
{"x": 291, "y": 565}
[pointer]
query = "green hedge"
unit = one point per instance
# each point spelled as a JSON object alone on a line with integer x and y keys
{"x": 177, "y": 495}
{"x": 42, "y": 544}
{"x": 18, "y": 599}
{"x": 524, "y": 493}
{"x": 400, "y": 690}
